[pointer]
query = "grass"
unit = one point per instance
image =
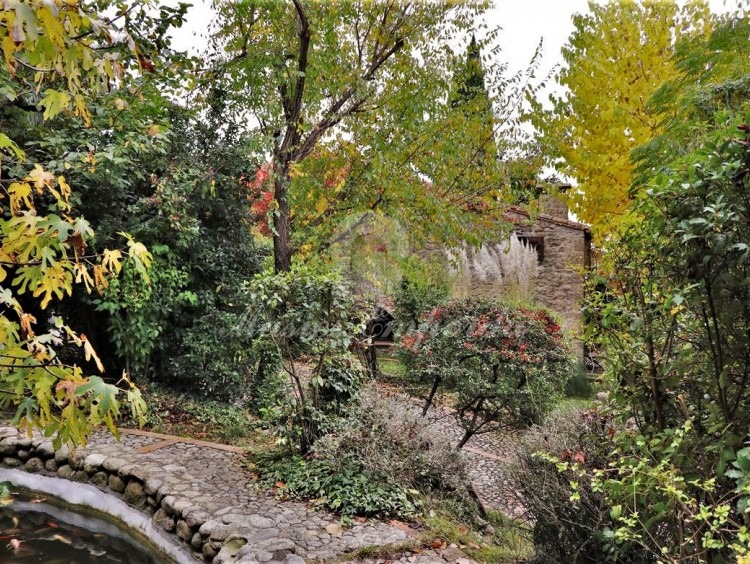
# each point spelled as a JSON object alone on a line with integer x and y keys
{"x": 510, "y": 541}
{"x": 199, "y": 418}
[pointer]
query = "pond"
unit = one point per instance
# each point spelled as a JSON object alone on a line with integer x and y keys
{"x": 38, "y": 528}
{"x": 56, "y": 521}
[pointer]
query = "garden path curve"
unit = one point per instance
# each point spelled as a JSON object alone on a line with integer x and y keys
{"x": 200, "y": 492}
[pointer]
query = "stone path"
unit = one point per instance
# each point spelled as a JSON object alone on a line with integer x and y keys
{"x": 201, "y": 493}
{"x": 487, "y": 457}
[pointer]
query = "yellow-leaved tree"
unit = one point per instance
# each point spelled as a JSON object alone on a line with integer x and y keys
{"x": 58, "y": 57}
{"x": 618, "y": 56}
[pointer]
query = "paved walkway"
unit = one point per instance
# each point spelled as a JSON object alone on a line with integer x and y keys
{"x": 201, "y": 492}
{"x": 487, "y": 457}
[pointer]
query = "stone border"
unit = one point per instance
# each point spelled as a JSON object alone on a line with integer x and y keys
{"x": 115, "y": 474}
{"x": 117, "y": 515}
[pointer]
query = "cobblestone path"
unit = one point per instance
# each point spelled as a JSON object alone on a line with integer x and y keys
{"x": 200, "y": 492}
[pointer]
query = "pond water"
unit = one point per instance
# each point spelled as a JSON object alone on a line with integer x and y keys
{"x": 39, "y": 528}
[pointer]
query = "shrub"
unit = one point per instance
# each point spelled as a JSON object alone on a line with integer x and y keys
{"x": 377, "y": 461}
{"x": 307, "y": 313}
{"x": 507, "y": 363}
{"x": 389, "y": 439}
{"x": 423, "y": 287}
{"x": 564, "y": 529}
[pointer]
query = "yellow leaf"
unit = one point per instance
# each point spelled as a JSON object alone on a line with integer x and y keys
{"x": 20, "y": 197}
{"x": 89, "y": 353}
{"x": 99, "y": 278}
{"x": 40, "y": 178}
{"x": 56, "y": 280}
{"x": 26, "y": 320}
{"x": 64, "y": 192}
{"x": 82, "y": 275}
{"x": 111, "y": 260}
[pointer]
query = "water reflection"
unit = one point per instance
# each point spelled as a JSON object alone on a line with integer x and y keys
{"x": 35, "y": 529}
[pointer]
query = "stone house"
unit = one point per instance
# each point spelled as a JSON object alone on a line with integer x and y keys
{"x": 561, "y": 251}
{"x": 543, "y": 262}
{"x": 564, "y": 255}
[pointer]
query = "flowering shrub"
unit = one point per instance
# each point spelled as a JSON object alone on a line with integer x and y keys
{"x": 508, "y": 363}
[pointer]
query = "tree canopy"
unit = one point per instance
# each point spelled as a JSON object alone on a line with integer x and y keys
{"x": 348, "y": 105}
{"x": 619, "y": 55}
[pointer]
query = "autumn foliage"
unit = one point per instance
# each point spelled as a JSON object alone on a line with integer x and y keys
{"x": 508, "y": 363}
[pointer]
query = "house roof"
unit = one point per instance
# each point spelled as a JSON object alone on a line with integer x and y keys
{"x": 513, "y": 213}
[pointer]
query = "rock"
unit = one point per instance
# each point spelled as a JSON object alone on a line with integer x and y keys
{"x": 230, "y": 549}
{"x": 258, "y": 522}
{"x": 100, "y": 479}
{"x": 134, "y": 494}
{"x": 126, "y": 470}
{"x": 93, "y": 462}
{"x": 602, "y": 396}
{"x": 220, "y": 533}
{"x": 76, "y": 460}
{"x": 196, "y": 518}
{"x": 8, "y": 432}
{"x": 263, "y": 556}
{"x": 9, "y": 445}
{"x": 50, "y": 465}
{"x": 152, "y": 486}
{"x": 183, "y": 506}
{"x": 116, "y": 484}
{"x": 34, "y": 465}
{"x": 208, "y": 527}
{"x": 175, "y": 468}
{"x": 196, "y": 541}
{"x": 334, "y": 529}
{"x": 80, "y": 476}
{"x": 209, "y": 551}
{"x": 183, "y": 530}
{"x": 11, "y": 462}
{"x": 489, "y": 530}
{"x": 46, "y": 450}
{"x": 167, "y": 504}
{"x": 23, "y": 455}
{"x": 262, "y": 535}
{"x": 65, "y": 471}
{"x": 62, "y": 455}
{"x": 273, "y": 545}
{"x": 452, "y": 553}
{"x": 161, "y": 519}
{"x": 113, "y": 463}
{"x": 294, "y": 559}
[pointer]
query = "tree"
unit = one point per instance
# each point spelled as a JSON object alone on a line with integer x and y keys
{"x": 674, "y": 320}
{"x": 58, "y": 59}
{"x": 508, "y": 364}
{"x": 470, "y": 96}
{"x": 353, "y": 84}
{"x": 615, "y": 60}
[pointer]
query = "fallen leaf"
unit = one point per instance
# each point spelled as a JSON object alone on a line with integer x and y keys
{"x": 436, "y": 543}
{"x": 39, "y": 500}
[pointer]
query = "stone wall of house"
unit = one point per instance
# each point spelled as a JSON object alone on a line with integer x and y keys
{"x": 559, "y": 280}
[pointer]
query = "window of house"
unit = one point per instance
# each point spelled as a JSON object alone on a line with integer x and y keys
{"x": 536, "y": 243}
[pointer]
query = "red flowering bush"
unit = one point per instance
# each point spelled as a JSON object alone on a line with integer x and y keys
{"x": 508, "y": 363}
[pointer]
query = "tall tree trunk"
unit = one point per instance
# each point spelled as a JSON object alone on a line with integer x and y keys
{"x": 282, "y": 247}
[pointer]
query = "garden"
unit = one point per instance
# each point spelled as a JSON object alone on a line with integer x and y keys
{"x": 275, "y": 246}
